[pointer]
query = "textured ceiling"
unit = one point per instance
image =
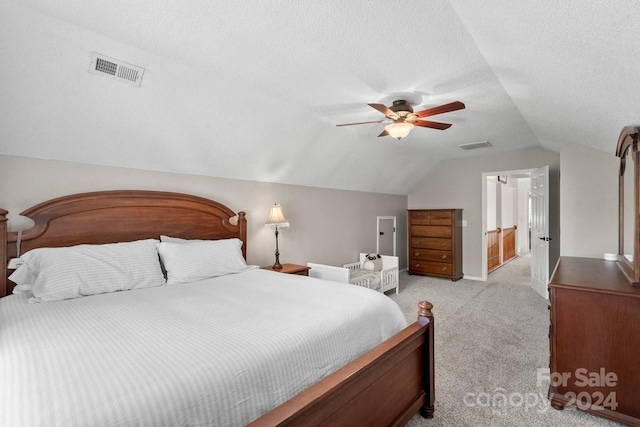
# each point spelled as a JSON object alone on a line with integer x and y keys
{"x": 253, "y": 90}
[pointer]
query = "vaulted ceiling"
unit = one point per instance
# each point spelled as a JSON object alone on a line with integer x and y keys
{"x": 254, "y": 89}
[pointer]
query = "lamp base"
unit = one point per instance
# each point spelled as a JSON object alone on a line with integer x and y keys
{"x": 277, "y": 265}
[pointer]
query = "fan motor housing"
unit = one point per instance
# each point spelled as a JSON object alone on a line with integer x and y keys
{"x": 401, "y": 106}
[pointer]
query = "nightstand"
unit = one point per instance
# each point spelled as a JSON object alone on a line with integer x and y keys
{"x": 300, "y": 270}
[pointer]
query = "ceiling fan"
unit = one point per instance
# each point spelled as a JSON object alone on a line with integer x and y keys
{"x": 404, "y": 119}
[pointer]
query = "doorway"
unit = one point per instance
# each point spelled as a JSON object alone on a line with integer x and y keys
{"x": 505, "y": 217}
{"x": 542, "y": 240}
{"x": 386, "y": 235}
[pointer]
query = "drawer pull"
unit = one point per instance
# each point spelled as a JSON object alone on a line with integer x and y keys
{"x": 444, "y": 268}
{"x": 444, "y": 257}
{"x": 417, "y": 254}
{"x": 417, "y": 265}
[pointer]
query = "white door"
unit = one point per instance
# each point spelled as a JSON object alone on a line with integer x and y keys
{"x": 386, "y": 235}
{"x": 540, "y": 231}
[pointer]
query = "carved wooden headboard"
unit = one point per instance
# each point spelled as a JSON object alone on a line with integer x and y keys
{"x": 118, "y": 216}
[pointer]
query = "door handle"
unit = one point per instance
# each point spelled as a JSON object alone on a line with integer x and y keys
{"x": 546, "y": 239}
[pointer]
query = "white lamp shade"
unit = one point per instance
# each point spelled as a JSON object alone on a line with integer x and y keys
{"x": 276, "y": 218}
{"x": 399, "y": 130}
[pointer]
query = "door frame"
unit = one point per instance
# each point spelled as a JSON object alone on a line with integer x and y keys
{"x": 485, "y": 175}
{"x": 395, "y": 228}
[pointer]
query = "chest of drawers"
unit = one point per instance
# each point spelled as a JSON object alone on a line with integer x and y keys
{"x": 435, "y": 242}
{"x": 594, "y": 340}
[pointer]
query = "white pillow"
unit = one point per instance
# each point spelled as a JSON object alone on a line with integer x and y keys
{"x": 23, "y": 275}
{"x": 62, "y": 273}
{"x": 22, "y": 289}
{"x": 197, "y": 260}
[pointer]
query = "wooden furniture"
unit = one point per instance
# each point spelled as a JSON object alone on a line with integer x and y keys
{"x": 629, "y": 203}
{"x": 401, "y": 369}
{"x": 595, "y": 310}
{"x": 300, "y": 270}
{"x": 594, "y": 316}
{"x": 435, "y": 242}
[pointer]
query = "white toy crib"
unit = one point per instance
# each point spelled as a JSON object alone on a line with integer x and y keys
{"x": 353, "y": 273}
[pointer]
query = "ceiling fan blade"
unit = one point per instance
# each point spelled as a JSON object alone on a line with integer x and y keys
{"x": 361, "y": 123}
{"x": 453, "y": 106}
{"x": 384, "y": 133}
{"x": 432, "y": 125}
{"x": 384, "y": 110}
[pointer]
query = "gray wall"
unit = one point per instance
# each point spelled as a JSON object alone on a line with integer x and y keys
{"x": 589, "y": 203}
{"x": 458, "y": 184}
{"x": 333, "y": 226}
{"x": 327, "y": 226}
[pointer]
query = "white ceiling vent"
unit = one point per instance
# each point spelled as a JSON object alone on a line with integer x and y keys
{"x": 115, "y": 69}
{"x": 473, "y": 145}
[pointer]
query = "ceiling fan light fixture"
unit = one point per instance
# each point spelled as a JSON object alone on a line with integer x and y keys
{"x": 399, "y": 130}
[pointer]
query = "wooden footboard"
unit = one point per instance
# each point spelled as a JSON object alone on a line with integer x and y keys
{"x": 384, "y": 387}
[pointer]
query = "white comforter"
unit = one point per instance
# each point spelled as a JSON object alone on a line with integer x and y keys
{"x": 217, "y": 352}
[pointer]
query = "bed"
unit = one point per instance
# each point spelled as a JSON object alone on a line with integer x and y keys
{"x": 383, "y": 280}
{"x": 377, "y": 384}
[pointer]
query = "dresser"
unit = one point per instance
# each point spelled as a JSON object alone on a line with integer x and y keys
{"x": 594, "y": 339}
{"x": 435, "y": 242}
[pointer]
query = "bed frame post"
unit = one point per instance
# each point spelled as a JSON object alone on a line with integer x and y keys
{"x": 425, "y": 317}
{"x": 242, "y": 231}
{"x": 3, "y": 252}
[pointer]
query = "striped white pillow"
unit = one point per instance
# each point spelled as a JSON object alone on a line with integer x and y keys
{"x": 63, "y": 273}
{"x": 196, "y": 260}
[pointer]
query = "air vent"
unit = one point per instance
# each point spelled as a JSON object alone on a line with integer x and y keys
{"x": 474, "y": 145}
{"x": 115, "y": 69}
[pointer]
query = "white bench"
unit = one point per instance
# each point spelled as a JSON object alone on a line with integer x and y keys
{"x": 353, "y": 273}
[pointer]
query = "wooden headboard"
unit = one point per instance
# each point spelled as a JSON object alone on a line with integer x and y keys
{"x": 118, "y": 216}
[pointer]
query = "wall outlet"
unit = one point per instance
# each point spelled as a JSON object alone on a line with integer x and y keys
{"x": 14, "y": 263}
{"x": 464, "y": 222}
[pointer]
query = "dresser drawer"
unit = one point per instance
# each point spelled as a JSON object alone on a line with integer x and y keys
{"x": 431, "y": 231}
{"x": 422, "y": 218}
{"x": 431, "y": 267}
{"x": 419, "y": 214}
{"x": 430, "y": 218}
{"x": 440, "y": 221}
{"x": 431, "y": 243}
{"x": 440, "y": 214}
{"x": 430, "y": 255}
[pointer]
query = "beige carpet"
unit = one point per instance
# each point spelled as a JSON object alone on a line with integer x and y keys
{"x": 491, "y": 340}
